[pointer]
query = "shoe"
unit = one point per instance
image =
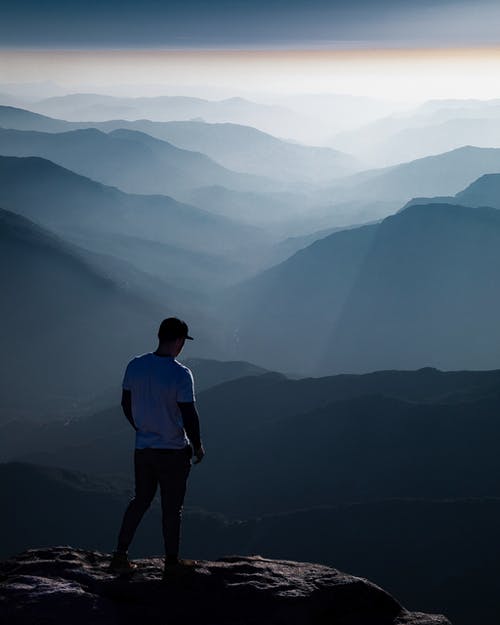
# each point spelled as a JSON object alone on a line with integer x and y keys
{"x": 121, "y": 564}
{"x": 177, "y": 568}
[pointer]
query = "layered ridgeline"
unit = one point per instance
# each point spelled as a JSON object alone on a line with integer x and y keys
{"x": 63, "y": 321}
{"x": 434, "y": 127}
{"x": 268, "y": 118}
{"x": 131, "y": 160}
{"x": 391, "y": 475}
{"x": 416, "y": 290}
{"x": 442, "y": 174}
{"x": 175, "y": 241}
{"x": 274, "y": 188}
{"x": 431, "y": 435}
{"x": 485, "y": 191}
{"x": 236, "y": 147}
{"x": 294, "y": 444}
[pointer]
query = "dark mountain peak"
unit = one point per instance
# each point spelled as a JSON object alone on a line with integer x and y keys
{"x": 440, "y": 199}
{"x": 64, "y": 584}
{"x": 13, "y": 111}
{"x": 484, "y": 179}
{"x": 14, "y": 226}
{"x": 21, "y": 236}
{"x": 443, "y": 210}
{"x": 485, "y": 191}
{"x": 32, "y": 164}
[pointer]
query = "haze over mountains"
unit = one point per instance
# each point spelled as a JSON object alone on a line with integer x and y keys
{"x": 434, "y": 127}
{"x": 52, "y": 298}
{"x": 401, "y": 294}
{"x": 95, "y": 107}
{"x": 369, "y": 260}
{"x": 131, "y": 160}
{"x": 339, "y": 281}
{"x": 236, "y": 147}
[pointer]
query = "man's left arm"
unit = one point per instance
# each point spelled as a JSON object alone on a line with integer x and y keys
{"x": 127, "y": 407}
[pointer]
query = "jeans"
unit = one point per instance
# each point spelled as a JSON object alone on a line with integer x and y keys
{"x": 170, "y": 469}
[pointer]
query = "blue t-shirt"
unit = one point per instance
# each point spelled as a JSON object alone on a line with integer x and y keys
{"x": 156, "y": 384}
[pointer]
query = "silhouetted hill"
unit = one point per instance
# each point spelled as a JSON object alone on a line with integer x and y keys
{"x": 209, "y": 372}
{"x": 294, "y": 444}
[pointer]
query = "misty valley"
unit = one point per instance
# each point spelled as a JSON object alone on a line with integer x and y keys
{"x": 340, "y": 275}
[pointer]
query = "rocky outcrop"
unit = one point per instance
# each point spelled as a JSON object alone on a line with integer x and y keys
{"x": 61, "y": 585}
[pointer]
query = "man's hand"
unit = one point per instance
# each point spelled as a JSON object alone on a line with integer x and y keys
{"x": 199, "y": 453}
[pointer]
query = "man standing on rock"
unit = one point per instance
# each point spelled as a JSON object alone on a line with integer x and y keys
{"x": 158, "y": 401}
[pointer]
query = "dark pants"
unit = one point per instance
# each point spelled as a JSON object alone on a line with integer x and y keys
{"x": 170, "y": 469}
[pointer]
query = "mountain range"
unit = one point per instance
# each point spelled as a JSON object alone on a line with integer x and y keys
{"x": 432, "y": 128}
{"x": 131, "y": 160}
{"x": 360, "y": 437}
{"x": 145, "y": 229}
{"x": 442, "y": 174}
{"x": 94, "y": 107}
{"x": 409, "y": 292}
{"x": 234, "y": 146}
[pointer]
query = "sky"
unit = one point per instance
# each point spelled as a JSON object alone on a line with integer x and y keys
{"x": 244, "y": 23}
{"x": 398, "y": 49}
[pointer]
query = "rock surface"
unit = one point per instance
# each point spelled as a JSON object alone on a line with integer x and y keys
{"x": 61, "y": 585}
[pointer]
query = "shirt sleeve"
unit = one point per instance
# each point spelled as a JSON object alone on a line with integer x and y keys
{"x": 185, "y": 387}
{"x": 127, "y": 378}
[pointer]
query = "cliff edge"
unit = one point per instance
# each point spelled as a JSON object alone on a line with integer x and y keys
{"x": 58, "y": 585}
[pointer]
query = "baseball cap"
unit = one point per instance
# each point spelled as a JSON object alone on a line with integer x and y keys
{"x": 173, "y": 328}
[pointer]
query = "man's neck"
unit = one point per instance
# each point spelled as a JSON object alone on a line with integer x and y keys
{"x": 165, "y": 352}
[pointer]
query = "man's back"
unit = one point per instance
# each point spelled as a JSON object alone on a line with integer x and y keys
{"x": 157, "y": 384}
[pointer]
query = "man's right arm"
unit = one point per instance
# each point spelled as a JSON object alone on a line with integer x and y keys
{"x": 191, "y": 422}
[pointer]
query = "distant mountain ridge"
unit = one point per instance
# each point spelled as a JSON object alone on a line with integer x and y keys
{"x": 268, "y": 118}
{"x": 128, "y": 159}
{"x": 95, "y": 215}
{"x": 234, "y": 146}
{"x": 424, "y": 295}
{"x": 435, "y": 127}
{"x": 441, "y": 174}
{"x": 404, "y": 293}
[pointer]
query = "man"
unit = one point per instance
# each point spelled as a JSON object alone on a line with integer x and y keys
{"x": 158, "y": 401}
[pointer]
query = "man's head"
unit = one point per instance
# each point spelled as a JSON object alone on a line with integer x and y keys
{"x": 173, "y": 332}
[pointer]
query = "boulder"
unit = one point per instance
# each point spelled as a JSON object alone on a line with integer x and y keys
{"x": 60, "y": 585}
